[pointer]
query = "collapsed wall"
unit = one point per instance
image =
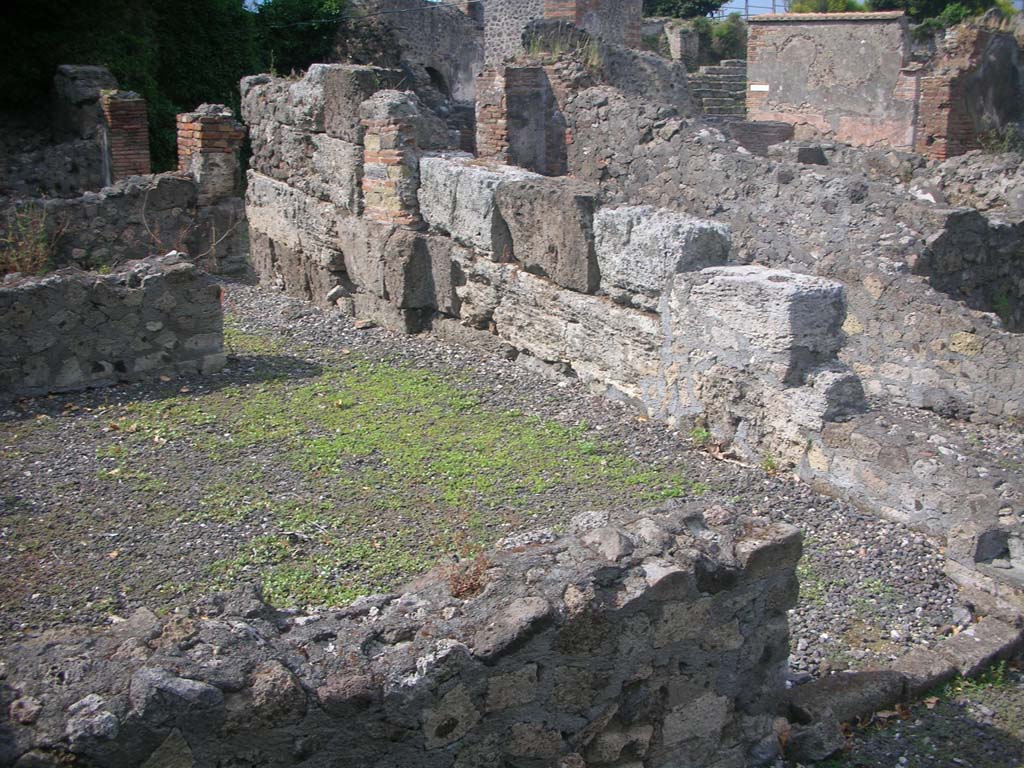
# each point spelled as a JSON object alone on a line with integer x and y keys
{"x": 73, "y": 329}
{"x": 197, "y": 210}
{"x": 92, "y": 135}
{"x": 922, "y": 280}
{"x": 615, "y": 281}
{"x": 654, "y": 639}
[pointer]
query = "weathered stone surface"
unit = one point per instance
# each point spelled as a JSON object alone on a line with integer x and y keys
{"x": 457, "y": 198}
{"x": 427, "y": 678}
{"x": 551, "y": 222}
{"x": 72, "y": 329}
{"x": 639, "y": 249}
{"x": 846, "y": 696}
{"x": 923, "y": 669}
{"x": 77, "y": 90}
{"x": 325, "y": 100}
{"x": 980, "y": 645}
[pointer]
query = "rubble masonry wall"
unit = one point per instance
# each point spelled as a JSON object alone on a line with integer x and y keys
{"x": 657, "y": 639}
{"x": 75, "y": 329}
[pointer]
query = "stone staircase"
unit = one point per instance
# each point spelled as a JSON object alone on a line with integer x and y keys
{"x": 721, "y": 89}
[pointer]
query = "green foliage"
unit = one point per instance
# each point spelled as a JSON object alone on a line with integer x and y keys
{"x": 1009, "y": 138}
{"x": 27, "y": 240}
{"x": 176, "y": 53}
{"x": 700, "y": 435}
{"x": 296, "y": 33}
{"x": 721, "y": 38}
{"x": 921, "y": 10}
{"x": 681, "y": 9}
{"x": 349, "y": 481}
{"x": 825, "y": 6}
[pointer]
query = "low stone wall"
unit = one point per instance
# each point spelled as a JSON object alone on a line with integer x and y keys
{"x": 658, "y": 639}
{"x": 197, "y": 211}
{"x": 143, "y": 215}
{"x": 75, "y": 329}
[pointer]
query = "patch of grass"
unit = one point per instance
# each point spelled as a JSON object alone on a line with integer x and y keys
{"x": 335, "y": 575}
{"x": 769, "y": 463}
{"x": 700, "y": 435}
{"x": 813, "y": 587}
{"x": 996, "y": 677}
{"x": 388, "y": 468}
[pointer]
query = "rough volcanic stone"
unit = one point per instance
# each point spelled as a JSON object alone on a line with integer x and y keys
{"x": 639, "y": 248}
{"x": 551, "y": 222}
{"x": 457, "y": 198}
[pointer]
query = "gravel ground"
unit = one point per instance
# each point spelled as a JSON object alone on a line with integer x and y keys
{"x": 86, "y": 534}
{"x": 870, "y": 588}
{"x": 968, "y": 724}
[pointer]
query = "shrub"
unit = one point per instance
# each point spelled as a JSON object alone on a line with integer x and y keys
{"x": 26, "y": 243}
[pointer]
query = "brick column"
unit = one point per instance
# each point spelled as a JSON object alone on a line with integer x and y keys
{"x": 391, "y": 172}
{"x": 125, "y": 133}
{"x": 209, "y": 140}
{"x": 491, "y": 115}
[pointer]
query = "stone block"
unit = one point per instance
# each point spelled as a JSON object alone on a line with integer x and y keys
{"x": 923, "y": 669}
{"x": 457, "y": 198}
{"x": 551, "y": 223}
{"x": 639, "y": 248}
{"x": 845, "y": 696}
{"x": 980, "y": 645}
{"x": 786, "y": 322}
{"x": 512, "y": 688}
{"x": 325, "y": 100}
{"x": 418, "y": 272}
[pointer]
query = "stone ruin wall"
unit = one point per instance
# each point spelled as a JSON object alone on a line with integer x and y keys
{"x": 197, "y": 210}
{"x": 614, "y": 21}
{"x": 552, "y": 268}
{"x": 464, "y": 246}
{"x": 853, "y": 78}
{"x": 658, "y": 639}
{"x": 93, "y": 135}
{"x": 73, "y": 329}
{"x": 921, "y": 279}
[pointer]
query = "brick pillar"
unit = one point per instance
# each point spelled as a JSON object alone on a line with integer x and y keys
{"x": 125, "y": 134}
{"x": 209, "y": 140}
{"x": 391, "y": 164}
{"x": 491, "y": 115}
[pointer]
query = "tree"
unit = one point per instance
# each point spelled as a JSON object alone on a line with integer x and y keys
{"x": 681, "y": 9}
{"x": 296, "y": 33}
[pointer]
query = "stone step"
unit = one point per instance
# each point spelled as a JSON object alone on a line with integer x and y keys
{"x": 733, "y": 63}
{"x": 718, "y": 103}
{"x": 725, "y": 71}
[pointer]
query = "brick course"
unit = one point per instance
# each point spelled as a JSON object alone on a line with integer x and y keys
{"x": 127, "y": 133}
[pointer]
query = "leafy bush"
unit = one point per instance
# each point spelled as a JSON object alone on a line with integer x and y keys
{"x": 681, "y": 9}
{"x": 721, "y": 38}
{"x": 825, "y": 6}
{"x": 27, "y": 244}
{"x": 920, "y": 10}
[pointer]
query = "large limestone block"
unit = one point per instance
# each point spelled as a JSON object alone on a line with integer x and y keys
{"x": 551, "y": 223}
{"x": 418, "y": 271}
{"x": 640, "y": 248}
{"x": 457, "y": 198}
{"x": 786, "y": 322}
{"x": 608, "y": 345}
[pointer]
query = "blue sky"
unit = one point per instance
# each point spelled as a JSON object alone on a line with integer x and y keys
{"x": 765, "y": 6}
